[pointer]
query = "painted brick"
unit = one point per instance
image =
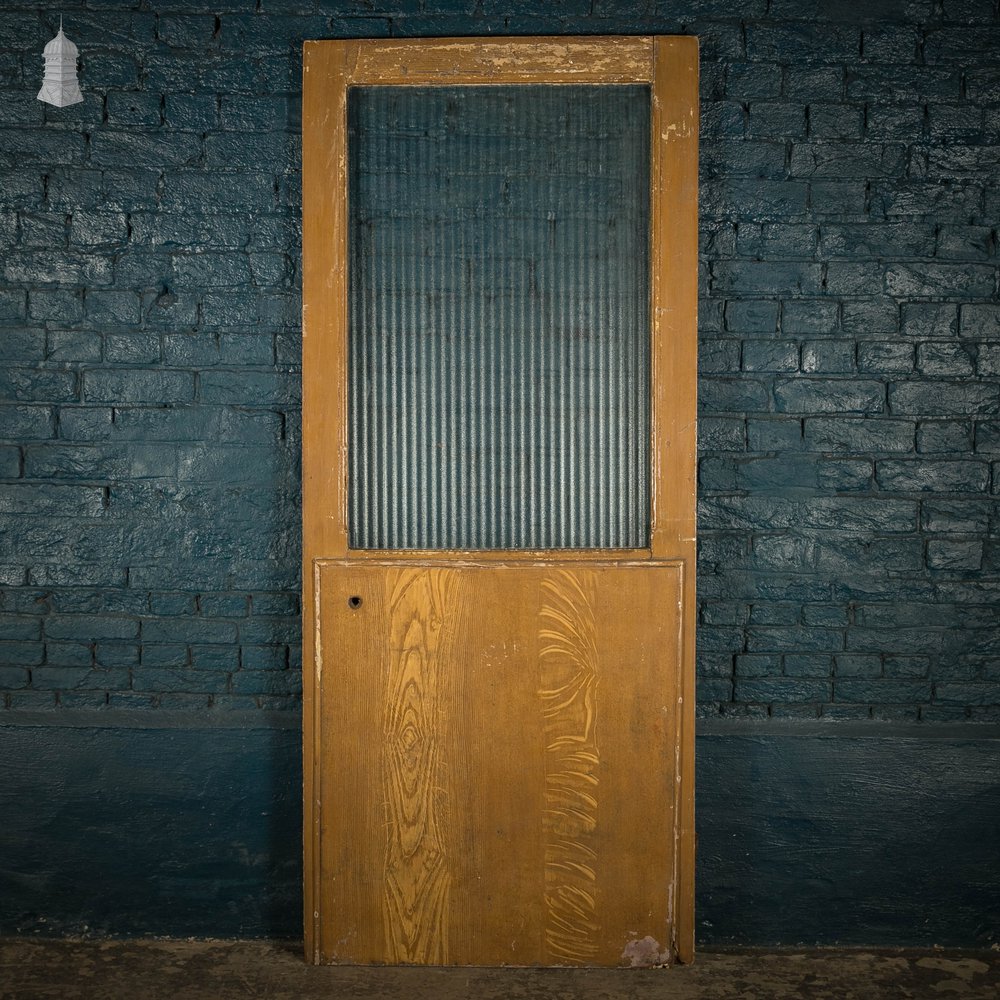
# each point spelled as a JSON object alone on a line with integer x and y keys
{"x": 980, "y": 320}
{"x": 871, "y": 269}
{"x": 138, "y": 386}
{"x": 954, "y": 555}
{"x": 810, "y": 395}
{"x": 809, "y": 316}
{"x": 828, "y": 357}
{"x": 883, "y": 691}
{"x": 944, "y": 398}
{"x": 885, "y": 357}
{"x": 933, "y": 475}
{"x": 947, "y": 436}
{"x": 749, "y": 316}
{"x": 870, "y": 318}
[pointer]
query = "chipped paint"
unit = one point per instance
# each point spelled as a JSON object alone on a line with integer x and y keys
{"x": 645, "y": 953}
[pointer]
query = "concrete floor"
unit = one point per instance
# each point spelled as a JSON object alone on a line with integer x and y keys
{"x": 220, "y": 970}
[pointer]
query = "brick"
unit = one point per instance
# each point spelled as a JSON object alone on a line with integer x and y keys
{"x": 882, "y": 691}
{"x": 906, "y": 666}
{"x": 73, "y": 346}
{"x": 929, "y": 319}
{"x": 803, "y": 42}
{"x": 756, "y": 200}
{"x": 749, "y": 81}
{"x": 770, "y": 356}
{"x": 99, "y": 229}
{"x": 777, "y": 119}
{"x": 931, "y": 279}
{"x": 716, "y": 395}
{"x": 983, "y": 693}
{"x": 69, "y": 654}
{"x": 744, "y": 316}
{"x": 267, "y": 682}
{"x": 138, "y": 386}
{"x": 936, "y": 476}
{"x": 214, "y": 657}
{"x": 988, "y": 360}
{"x": 77, "y": 678}
{"x": 828, "y": 357}
{"x": 721, "y": 434}
{"x": 37, "y": 386}
{"x": 149, "y": 149}
{"x": 162, "y": 679}
{"x": 23, "y": 346}
{"x": 807, "y": 665}
{"x": 263, "y": 657}
{"x": 946, "y": 436}
{"x": 883, "y": 357}
{"x": 963, "y": 516}
{"x": 192, "y": 112}
{"x": 810, "y": 395}
{"x": 73, "y": 188}
{"x": 777, "y": 240}
{"x": 109, "y": 654}
{"x": 888, "y": 239}
{"x": 786, "y": 689}
{"x": 954, "y": 555}
{"x": 780, "y": 434}
{"x": 188, "y": 630}
{"x": 835, "y": 121}
{"x": 719, "y": 356}
{"x": 925, "y": 199}
{"x": 871, "y": 318}
{"x": 90, "y": 628}
{"x": 980, "y": 321}
{"x": 133, "y": 107}
{"x": 944, "y": 398}
{"x": 895, "y": 121}
{"x": 762, "y": 639}
{"x": 774, "y": 277}
{"x": 857, "y": 665}
{"x": 164, "y": 654}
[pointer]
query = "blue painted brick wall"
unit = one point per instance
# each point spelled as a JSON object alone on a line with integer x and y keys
{"x": 850, "y": 348}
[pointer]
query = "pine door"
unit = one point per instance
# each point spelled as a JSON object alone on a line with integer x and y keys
{"x": 498, "y": 471}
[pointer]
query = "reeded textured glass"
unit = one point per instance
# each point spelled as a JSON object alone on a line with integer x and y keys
{"x": 499, "y": 317}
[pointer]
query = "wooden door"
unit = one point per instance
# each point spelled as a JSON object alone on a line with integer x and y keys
{"x": 498, "y": 571}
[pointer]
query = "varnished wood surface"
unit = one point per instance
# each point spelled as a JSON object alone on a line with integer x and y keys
{"x": 674, "y": 151}
{"x": 429, "y": 61}
{"x": 499, "y": 750}
{"x": 330, "y": 67}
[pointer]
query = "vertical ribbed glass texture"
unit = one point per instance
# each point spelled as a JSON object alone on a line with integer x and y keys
{"x": 498, "y": 317}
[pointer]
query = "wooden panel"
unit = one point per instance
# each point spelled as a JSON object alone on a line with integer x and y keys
{"x": 499, "y": 762}
{"x": 491, "y": 60}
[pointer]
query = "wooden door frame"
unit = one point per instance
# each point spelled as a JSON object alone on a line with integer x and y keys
{"x": 669, "y": 65}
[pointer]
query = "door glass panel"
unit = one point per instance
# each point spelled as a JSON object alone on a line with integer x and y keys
{"x": 499, "y": 356}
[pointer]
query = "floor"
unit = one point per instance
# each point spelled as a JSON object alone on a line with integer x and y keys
{"x": 220, "y": 970}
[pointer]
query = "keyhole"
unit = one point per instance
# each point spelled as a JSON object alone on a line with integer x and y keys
{"x": 354, "y": 602}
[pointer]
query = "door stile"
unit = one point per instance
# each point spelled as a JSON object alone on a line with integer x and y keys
{"x": 324, "y": 405}
{"x": 674, "y": 447}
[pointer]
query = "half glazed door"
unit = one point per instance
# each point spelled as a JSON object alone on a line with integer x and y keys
{"x": 499, "y": 486}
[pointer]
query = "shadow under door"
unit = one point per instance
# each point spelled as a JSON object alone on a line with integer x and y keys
{"x": 498, "y": 459}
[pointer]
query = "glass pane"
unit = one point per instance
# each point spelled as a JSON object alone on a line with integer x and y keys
{"x": 498, "y": 317}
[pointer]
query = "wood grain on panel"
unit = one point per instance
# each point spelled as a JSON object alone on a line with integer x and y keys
{"x": 568, "y": 668}
{"x": 414, "y": 776}
{"x": 500, "y": 770}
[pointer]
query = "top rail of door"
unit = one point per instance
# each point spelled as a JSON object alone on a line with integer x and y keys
{"x": 478, "y": 61}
